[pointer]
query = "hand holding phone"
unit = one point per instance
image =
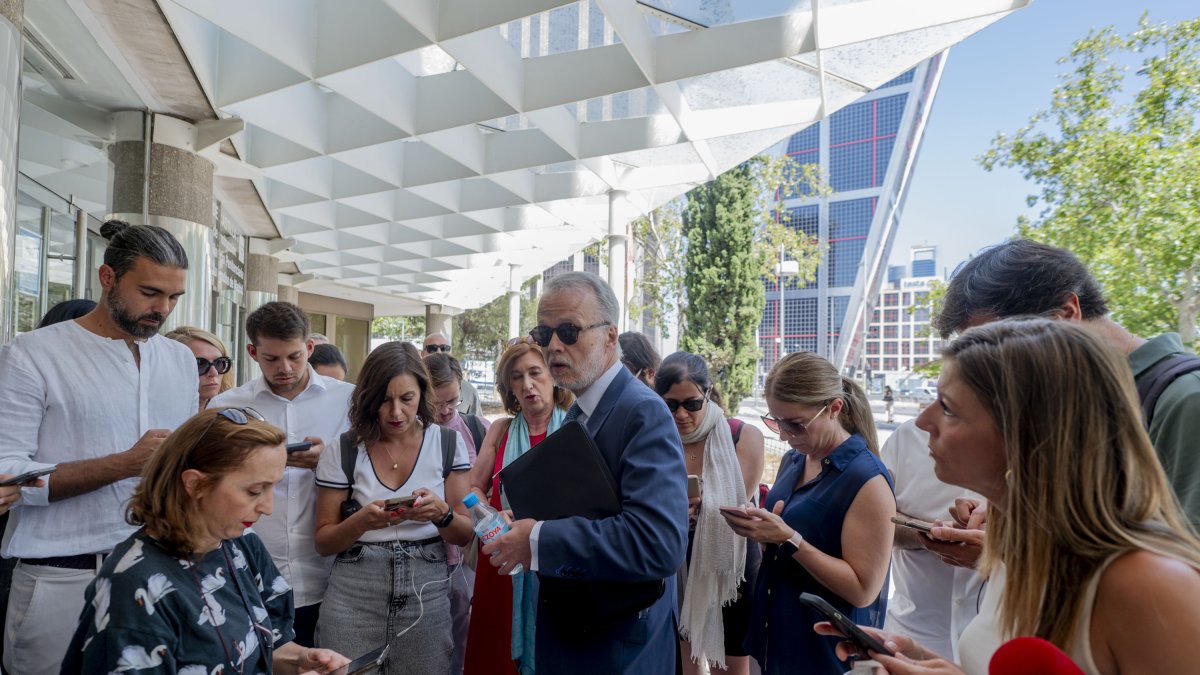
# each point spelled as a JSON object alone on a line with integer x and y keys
{"x": 367, "y": 663}
{"x": 857, "y": 636}
{"x": 913, "y": 524}
{"x": 400, "y": 503}
{"x": 735, "y": 512}
{"x": 27, "y": 476}
{"x": 299, "y": 446}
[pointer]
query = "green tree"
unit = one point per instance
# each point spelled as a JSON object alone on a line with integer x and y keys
{"x": 733, "y": 241}
{"x": 398, "y": 327}
{"x": 1119, "y": 171}
{"x": 659, "y": 238}
{"x": 481, "y": 333}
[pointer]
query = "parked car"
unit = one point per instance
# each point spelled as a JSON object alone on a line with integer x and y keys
{"x": 924, "y": 395}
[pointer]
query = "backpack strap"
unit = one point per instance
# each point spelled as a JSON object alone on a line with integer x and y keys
{"x": 735, "y": 428}
{"x": 476, "y": 429}
{"x": 1155, "y": 382}
{"x": 449, "y": 445}
{"x": 349, "y": 455}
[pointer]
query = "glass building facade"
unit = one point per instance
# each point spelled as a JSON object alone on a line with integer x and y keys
{"x": 866, "y": 151}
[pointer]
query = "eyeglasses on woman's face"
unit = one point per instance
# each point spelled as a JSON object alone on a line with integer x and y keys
{"x": 568, "y": 333}
{"x": 789, "y": 427}
{"x": 222, "y": 364}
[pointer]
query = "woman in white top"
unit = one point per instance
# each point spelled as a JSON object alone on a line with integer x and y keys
{"x": 1042, "y": 419}
{"x": 389, "y": 577}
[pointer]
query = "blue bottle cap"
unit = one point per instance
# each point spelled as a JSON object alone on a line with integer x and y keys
{"x": 470, "y": 500}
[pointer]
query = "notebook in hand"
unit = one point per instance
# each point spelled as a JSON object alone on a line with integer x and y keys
{"x": 564, "y": 475}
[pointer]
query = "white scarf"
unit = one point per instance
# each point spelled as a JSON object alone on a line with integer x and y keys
{"x": 718, "y": 555}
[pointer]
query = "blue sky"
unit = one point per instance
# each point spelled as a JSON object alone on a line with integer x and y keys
{"x": 994, "y": 81}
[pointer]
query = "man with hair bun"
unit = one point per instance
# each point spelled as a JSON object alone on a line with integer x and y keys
{"x": 93, "y": 396}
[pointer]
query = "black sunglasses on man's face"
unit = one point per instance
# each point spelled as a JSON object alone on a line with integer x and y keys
{"x": 568, "y": 333}
{"x": 433, "y": 349}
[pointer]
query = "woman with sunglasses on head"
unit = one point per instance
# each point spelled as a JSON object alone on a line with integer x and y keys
{"x": 826, "y": 522}
{"x": 212, "y": 360}
{"x": 502, "y": 608}
{"x": 1086, "y": 544}
{"x": 727, "y": 457}
{"x": 192, "y": 590}
{"x": 389, "y": 582}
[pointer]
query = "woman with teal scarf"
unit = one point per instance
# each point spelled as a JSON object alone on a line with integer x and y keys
{"x": 503, "y": 613}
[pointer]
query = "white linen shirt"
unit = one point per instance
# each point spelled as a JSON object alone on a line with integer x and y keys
{"x": 321, "y": 410}
{"x": 933, "y": 601}
{"x": 69, "y": 395}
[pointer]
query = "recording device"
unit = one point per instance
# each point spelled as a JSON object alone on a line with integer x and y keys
{"x": 1031, "y": 656}
{"x": 27, "y": 476}
{"x": 299, "y": 446}
{"x": 366, "y": 663}
{"x": 693, "y": 487}
{"x": 857, "y": 636}
{"x": 407, "y": 501}
{"x": 913, "y": 524}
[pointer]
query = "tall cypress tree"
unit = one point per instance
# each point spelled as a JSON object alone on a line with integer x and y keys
{"x": 725, "y": 296}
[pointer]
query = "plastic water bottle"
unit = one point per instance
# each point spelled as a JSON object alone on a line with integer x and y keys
{"x": 487, "y": 523}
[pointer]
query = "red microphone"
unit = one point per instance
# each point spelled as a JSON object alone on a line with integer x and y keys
{"x": 1031, "y": 656}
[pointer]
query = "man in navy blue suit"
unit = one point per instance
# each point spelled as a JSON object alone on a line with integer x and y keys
{"x": 646, "y": 542}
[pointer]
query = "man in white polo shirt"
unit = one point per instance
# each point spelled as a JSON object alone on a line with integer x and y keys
{"x": 309, "y": 407}
{"x": 95, "y": 397}
{"x": 933, "y": 601}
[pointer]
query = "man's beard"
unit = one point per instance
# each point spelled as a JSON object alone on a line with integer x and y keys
{"x": 129, "y": 323}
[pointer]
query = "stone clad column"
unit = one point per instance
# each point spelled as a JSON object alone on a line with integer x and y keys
{"x": 176, "y": 194}
{"x": 12, "y": 13}
{"x": 262, "y": 278}
{"x": 514, "y": 303}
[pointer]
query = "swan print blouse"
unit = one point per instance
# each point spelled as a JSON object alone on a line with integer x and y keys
{"x": 150, "y": 612}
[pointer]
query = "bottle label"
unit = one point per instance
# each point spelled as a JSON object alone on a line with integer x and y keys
{"x": 491, "y": 533}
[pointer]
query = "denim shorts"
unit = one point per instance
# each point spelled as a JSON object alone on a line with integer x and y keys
{"x": 377, "y": 590}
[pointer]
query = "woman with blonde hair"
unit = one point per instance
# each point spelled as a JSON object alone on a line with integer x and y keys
{"x": 501, "y": 634}
{"x": 826, "y": 523}
{"x": 212, "y": 360}
{"x": 192, "y": 590}
{"x": 1085, "y": 538}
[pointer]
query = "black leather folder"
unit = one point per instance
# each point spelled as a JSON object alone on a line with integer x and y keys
{"x": 565, "y": 475}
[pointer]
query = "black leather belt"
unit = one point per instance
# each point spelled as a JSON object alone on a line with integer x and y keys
{"x": 83, "y": 561}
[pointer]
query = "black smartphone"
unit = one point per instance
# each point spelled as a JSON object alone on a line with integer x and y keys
{"x": 853, "y": 633}
{"x": 366, "y": 663}
{"x": 27, "y": 476}
{"x": 913, "y": 524}
{"x": 299, "y": 446}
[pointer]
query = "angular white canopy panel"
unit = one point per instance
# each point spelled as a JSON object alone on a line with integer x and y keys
{"x": 420, "y": 147}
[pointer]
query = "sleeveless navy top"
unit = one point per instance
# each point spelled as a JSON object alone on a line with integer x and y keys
{"x": 781, "y": 630}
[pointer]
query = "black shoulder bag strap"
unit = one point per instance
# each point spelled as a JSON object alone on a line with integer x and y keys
{"x": 476, "y": 429}
{"x": 449, "y": 445}
{"x": 349, "y": 456}
{"x": 1154, "y": 383}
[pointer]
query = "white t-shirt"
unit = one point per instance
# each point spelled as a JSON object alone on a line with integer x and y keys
{"x": 68, "y": 394}
{"x": 933, "y": 601}
{"x": 426, "y": 473}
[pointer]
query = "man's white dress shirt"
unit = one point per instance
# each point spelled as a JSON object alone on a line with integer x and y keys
{"x": 321, "y": 410}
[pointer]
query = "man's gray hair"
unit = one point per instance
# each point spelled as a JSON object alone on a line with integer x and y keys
{"x": 606, "y": 300}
